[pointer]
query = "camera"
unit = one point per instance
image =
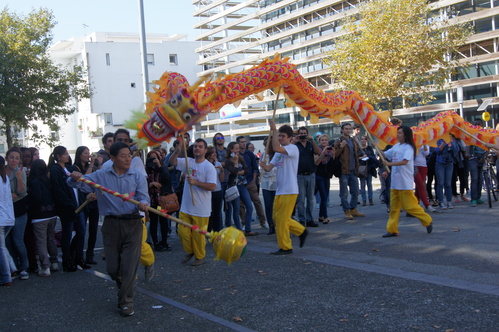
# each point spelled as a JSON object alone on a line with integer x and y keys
{"x": 302, "y": 136}
{"x": 329, "y": 148}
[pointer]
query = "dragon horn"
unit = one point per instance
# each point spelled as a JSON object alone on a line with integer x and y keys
{"x": 211, "y": 97}
{"x": 200, "y": 81}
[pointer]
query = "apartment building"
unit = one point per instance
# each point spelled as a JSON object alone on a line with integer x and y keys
{"x": 237, "y": 34}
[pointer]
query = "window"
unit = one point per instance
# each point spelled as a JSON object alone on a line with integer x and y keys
{"x": 173, "y": 60}
{"x": 132, "y": 85}
{"x": 2, "y": 148}
{"x": 150, "y": 59}
{"x": 108, "y": 59}
{"x": 108, "y": 118}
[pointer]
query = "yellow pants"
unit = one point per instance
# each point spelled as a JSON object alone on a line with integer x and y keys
{"x": 146, "y": 253}
{"x": 284, "y": 224}
{"x": 406, "y": 200}
{"x": 192, "y": 241}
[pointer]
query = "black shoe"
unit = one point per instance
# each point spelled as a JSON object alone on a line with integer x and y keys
{"x": 409, "y": 215}
{"x": 312, "y": 224}
{"x": 159, "y": 247}
{"x": 90, "y": 260}
{"x": 302, "y": 237}
{"x": 283, "y": 252}
{"x": 68, "y": 266}
{"x": 271, "y": 230}
{"x": 248, "y": 233}
{"x": 79, "y": 262}
{"x": 429, "y": 228}
{"x": 390, "y": 234}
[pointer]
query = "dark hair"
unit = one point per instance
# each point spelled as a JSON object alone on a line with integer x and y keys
{"x": 78, "y": 162}
{"x": 116, "y": 147}
{"x": 286, "y": 129}
{"x": 215, "y": 138}
{"x": 175, "y": 143}
{"x": 120, "y": 131}
{"x": 199, "y": 140}
{"x": 356, "y": 126}
{"x": 303, "y": 128}
{"x": 239, "y": 138}
{"x": 396, "y": 121}
{"x": 228, "y": 151}
{"x": 38, "y": 170}
{"x": 3, "y": 174}
{"x": 408, "y": 137}
{"x": 32, "y": 150}
{"x": 14, "y": 149}
{"x": 343, "y": 125}
{"x": 54, "y": 156}
{"x": 105, "y": 137}
{"x": 479, "y": 120}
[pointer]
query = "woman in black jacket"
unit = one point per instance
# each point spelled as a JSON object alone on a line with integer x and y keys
{"x": 65, "y": 203}
{"x": 43, "y": 217}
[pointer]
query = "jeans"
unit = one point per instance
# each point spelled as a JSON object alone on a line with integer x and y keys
{"x": 476, "y": 179}
{"x": 45, "y": 242}
{"x": 5, "y": 275}
{"x": 306, "y": 188}
{"x": 215, "y": 222}
{"x": 351, "y": 181}
{"x": 233, "y": 212}
{"x": 15, "y": 243}
{"x": 369, "y": 182}
{"x": 323, "y": 183}
{"x": 268, "y": 200}
{"x": 443, "y": 173}
{"x": 246, "y": 201}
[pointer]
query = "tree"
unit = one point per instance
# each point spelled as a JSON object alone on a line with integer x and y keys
{"x": 32, "y": 87}
{"x": 396, "y": 49}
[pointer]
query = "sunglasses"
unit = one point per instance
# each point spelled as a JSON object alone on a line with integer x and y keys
{"x": 220, "y": 137}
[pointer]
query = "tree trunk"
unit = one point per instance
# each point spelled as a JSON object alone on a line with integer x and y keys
{"x": 8, "y": 133}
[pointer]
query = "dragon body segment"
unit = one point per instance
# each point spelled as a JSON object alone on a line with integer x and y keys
{"x": 175, "y": 106}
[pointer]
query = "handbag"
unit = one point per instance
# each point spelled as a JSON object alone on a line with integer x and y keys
{"x": 231, "y": 194}
{"x": 362, "y": 171}
{"x": 169, "y": 203}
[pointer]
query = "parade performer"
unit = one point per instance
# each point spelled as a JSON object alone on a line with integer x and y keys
{"x": 402, "y": 178}
{"x": 196, "y": 209}
{"x": 122, "y": 228}
{"x": 286, "y": 161}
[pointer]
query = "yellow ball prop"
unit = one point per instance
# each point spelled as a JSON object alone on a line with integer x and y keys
{"x": 229, "y": 244}
{"x": 486, "y": 116}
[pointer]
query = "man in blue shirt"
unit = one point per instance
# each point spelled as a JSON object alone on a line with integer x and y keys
{"x": 122, "y": 227}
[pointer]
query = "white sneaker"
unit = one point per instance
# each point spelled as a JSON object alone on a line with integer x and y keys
{"x": 54, "y": 267}
{"x": 23, "y": 275}
{"x": 449, "y": 205}
{"x": 442, "y": 206}
{"x": 44, "y": 272}
{"x": 430, "y": 209}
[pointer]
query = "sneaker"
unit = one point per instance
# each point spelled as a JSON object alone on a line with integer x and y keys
{"x": 429, "y": 228}
{"x": 302, "y": 237}
{"x": 187, "y": 258}
{"x": 348, "y": 215}
{"x": 434, "y": 203}
{"x": 198, "y": 262}
{"x": 149, "y": 272}
{"x": 456, "y": 199}
{"x": 283, "y": 252}
{"x": 464, "y": 199}
{"x": 479, "y": 201}
{"x": 430, "y": 208}
{"x": 473, "y": 203}
{"x": 442, "y": 206}
{"x": 54, "y": 267}
{"x": 23, "y": 275}
{"x": 449, "y": 205}
{"x": 44, "y": 272}
{"x": 126, "y": 311}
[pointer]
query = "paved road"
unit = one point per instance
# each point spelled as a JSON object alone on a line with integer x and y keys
{"x": 346, "y": 278}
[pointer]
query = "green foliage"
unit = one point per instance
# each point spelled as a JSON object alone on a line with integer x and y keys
{"x": 32, "y": 87}
{"x": 396, "y": 48}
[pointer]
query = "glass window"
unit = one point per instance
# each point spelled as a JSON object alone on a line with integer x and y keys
{"x": 482, "y": 5}
{"x": 483, "y": 25}
{"x": 173, "y": 60}
{"x": 480, "y": 91}
{"x": 150, "y": 59}
{"x": 108, "y": 59}
{"x": 487, "y": 68}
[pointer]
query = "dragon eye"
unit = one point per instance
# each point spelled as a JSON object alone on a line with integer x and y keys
{"x": 187, "y": 116}
{"x": 174, "y": 102}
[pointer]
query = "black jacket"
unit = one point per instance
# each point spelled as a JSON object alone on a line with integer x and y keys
{"x": 64, "y": 196}
{"x": 41, "y": 199}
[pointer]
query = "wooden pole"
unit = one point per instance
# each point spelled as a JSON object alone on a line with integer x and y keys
{"x": 270, "y": 132}
{"x": 188, "y": 171}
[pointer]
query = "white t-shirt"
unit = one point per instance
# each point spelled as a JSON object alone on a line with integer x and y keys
{"x": 420, "y": 159}
{"x": 287, "y": 170}
{"x": 203, "y": 172}
{"x": 219, "y": 184}
{"x": 402, "y": 176}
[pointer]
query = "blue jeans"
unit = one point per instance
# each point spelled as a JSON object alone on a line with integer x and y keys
{"x": 233, "y": 211}
{"x": 323, "y": 183}
{"x": 443, "y": 173}
{"x": 15, "y": 243}
{"x": 476, "y": 179}
{"x": 351, "y": 181}
{"x": 268, "y": 200}
{"x": 248, "y": 204}
{"x": 4, "y": 256}
{"x": 306, "y": 188}
{"x": 369, "y": 182}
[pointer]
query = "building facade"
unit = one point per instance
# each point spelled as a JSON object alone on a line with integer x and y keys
{"x": 237, "y": 34}
{"x": 113, "y": 63}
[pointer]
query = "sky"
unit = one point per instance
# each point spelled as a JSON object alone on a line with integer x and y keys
{"x": 77, "y": 18}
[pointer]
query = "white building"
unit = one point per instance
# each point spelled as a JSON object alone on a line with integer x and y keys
{"x": 113, "y": 62}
